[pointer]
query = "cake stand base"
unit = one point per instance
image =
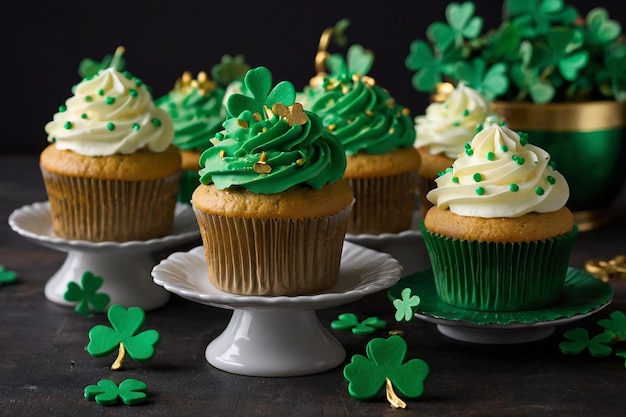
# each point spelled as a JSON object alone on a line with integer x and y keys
{"x": 275, "y": 343}
{"x": 495, "y": 336}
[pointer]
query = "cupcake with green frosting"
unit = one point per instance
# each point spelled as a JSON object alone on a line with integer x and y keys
{"x": 377, "y": 135}
{"x": 196, "y": 106}
{"x": 272, "y": 205}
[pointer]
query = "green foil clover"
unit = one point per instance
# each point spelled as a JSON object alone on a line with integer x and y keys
{"x": 106, "y": 392}
{"x": 87, "y": 295}
{"x": 384, "y": 367}
{"x": 7, "y": 276}
{"x": 405, "y": 305}
{"x": 124, "y": 335}
{"x": 349, "y": 321}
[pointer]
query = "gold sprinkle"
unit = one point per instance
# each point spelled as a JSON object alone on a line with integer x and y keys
{"x": 392, "y": 397}
{"x": 391, "y": 102}
{"x": 332, "y": 127}
{"x": 243, "y": 123}
{"x": 257, "y": 116}
{"x": 605, "y": 270}
{"x": 370, "y": 113}
{"x": 300, "y": 161}
{"x": 368, "y": 81}
{"x": 262, "y": 167}
{"x": 222, "y": 153}
{"x": 204, "y": 84}
{"x": 396, "y": 332}
{"x": 406, "y": 111}
{"x": 391, "y": 130}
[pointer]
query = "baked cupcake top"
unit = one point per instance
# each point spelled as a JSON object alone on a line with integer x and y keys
{"x": 500, "y": 174}
{"x": 110, "y": 112}
{"x": 446, "y": 126}
{"x": 197, "y": 105}
{"x": 363, "y": 115}
{"x": 269, "y": 143}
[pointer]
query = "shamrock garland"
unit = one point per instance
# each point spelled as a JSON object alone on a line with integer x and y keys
{"x": 7, "y": 276}
{"x": 383, "y": 367}
{"x": 87, "y": 295}
{"x": 106, "y": 392}
{"x": 124, "y": 336}
{"x": 600, "y": 345}
{"x": 350, "y": 321}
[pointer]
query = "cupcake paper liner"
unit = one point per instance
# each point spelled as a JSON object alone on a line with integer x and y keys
{"x": 273, "y": 257}
{"x": 110, "y": 210}
{"x": 383, "y": 204}
{"x": 491, "y": 276}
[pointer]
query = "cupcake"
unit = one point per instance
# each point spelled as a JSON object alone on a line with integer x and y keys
{"x": 197, "y": 110}
{"x": 110, "y": 170}
{"x": 442, "y": 132}
{"x": 272, "y": 206}
{"x": 499, "y": 235}
{"x": 377, "y": 135}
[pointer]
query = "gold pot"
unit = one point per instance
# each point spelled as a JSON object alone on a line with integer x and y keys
{"x": 587, "y": 142}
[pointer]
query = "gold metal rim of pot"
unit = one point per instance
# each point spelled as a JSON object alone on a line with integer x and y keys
{"x": 563, "y": 117}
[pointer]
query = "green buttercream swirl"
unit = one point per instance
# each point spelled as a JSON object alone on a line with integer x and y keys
{"x": 197, "y": 116}
{"x": 296, "y": 153}
{"x": 363, "y": 115}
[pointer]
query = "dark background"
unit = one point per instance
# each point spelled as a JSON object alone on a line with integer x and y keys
{"x": 44, "y": 41}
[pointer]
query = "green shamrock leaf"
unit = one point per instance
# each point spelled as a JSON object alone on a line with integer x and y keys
{"x": 579, "y": 340}
{"x": 87, "y": 295}
{"x": 348, "y": 321}
{"x": 89, "y": 67}
{"x": 462, "y": 24}
{"x": 601, "y": 28}
{"x": 358, "y": 61}
{"x": 7, "y": 276}
{"x": 534, "y": 17}
{"x": 259, "y": 93}
{"x": 621, "y": 354}
{"x": 384, "y": 366}
{"x": 429, "y": 67}
{"x": 106, "y": 392}
{"x": 616, "y": 325}
{"x": 124, "y": 335}
{"x": 491, "y": 82}
{"x": 405, "y": 305}
{"x": 229, "y": 69}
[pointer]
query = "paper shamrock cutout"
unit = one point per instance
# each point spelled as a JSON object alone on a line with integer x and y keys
{"x": 124, "y": 336}
{"x": 130, "y": 391}
{"x": 87, "y": 295}
{"x": 350, "y": 321}
{"x": 384, "y": 366}
{"x": 405, "y": 305}
{"x": 7, "y": 276}
{"x": 601, "y": 345}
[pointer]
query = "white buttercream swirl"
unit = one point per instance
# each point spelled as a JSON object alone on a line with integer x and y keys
{"x": 447, "y": 126}
{"x": 500, "y": 175}
{"x": 110, "y": 113}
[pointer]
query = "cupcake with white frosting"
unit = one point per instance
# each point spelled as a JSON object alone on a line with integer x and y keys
{"x": 110, "y": 170}
{"x": 499, "y": 235}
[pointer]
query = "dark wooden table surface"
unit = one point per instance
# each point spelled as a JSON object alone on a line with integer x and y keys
{"x": 44, "y": 366}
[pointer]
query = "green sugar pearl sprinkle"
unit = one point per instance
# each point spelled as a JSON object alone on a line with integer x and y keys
{"x": 480, "y": 190}
{"x": 504, "y": 148}
{"x": 456, "y": 124}
{"x": 479, "y": 128}
{"x": 552, "y": 164}
{"x": 518, "y": 159}
{"x": 84, "y": 116}
{"x": 101, "y": 92}
{"x": 551, "y": 179}
{"x": 466, "y": 112}
{"x": 469, "y": 152}
{"x": 111, "y": 126}
{"x": 455, "y": 180}
{"x": 514, "y": 188}
{"x": 523, "y": 138}
{"x": 109, "y": 100}
{"x": 136, "y": 126}
{"x": 156, "y": 122}
{"x": 132, "y": 92}
{"x": 68, "y": 125}
{"x": 539, "y": 190}
{"x": 491, "y": 156}
{"x": 62, "y": 108}
{"x": 88, "y": 99}
{"x": 478, "y": 177}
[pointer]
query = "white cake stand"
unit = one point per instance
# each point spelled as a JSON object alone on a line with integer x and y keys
{"x": 124, "y": 266}
{"x": 277, "y": 336}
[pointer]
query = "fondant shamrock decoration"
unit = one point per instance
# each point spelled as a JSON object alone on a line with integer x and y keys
{"x": 229, "y": 69}
{"x": 384, "y": 366}
{"x": 405, "y": 305}
{"x": 430, "y": 67}
{"x": 7, "y": 276}
{"x": 358, "y": 61}
{"x": 535, "y": 17}
{"x": 124, "y": 335}
{"x": 348, "y": 321}
{"x": 260, "y": 94}
{"x": 602, "y": 344}
{"x": 106, "y": 392}
{"x": 87, "y": 295}
{"x": 462, "y": 24}
{"x": 89, "y": 67}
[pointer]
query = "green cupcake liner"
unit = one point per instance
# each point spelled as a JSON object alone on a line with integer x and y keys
{"x": 491, "y": 276}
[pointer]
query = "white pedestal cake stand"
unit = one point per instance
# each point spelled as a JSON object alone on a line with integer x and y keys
{"x": 124, "y": 266}
{"x": 277, "y": 336}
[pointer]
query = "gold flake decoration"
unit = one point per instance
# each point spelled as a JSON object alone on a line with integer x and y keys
{"x": 605, "y": 270}
{"x": 294, "y": 115}
{"x": 262, "y": 167}
{"x": 300, "y": 161}
{"x": 396, "y": 332}
{"x": 185, "y": 84}
{"x": 406, "y": 111}
{"x": 392, "y": 397}
{"x": 332, "y": 127}
{"x": 222, "y": 153}
{"x": 243, "y": 123}
{"x": 257, "y": 117}
{"x": 368, "y": 81}
{"x": 369, "y": 112}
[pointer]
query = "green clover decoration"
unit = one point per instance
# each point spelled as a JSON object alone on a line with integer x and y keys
{"x": 349, "y": 321}
{"x": 106, "y": 392}
{"x": 89, "y": 67}
{"x": 229, "y": 69}
{"x": 358, "y": 60}
{"x": 87, "y": 295}
{"x": 384, "y": 366}
{"x": 405, "y": 305}
{"x": 124, "y": 335}
{"x": 7, "y": 276}
{"x": 462, "y": 24}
